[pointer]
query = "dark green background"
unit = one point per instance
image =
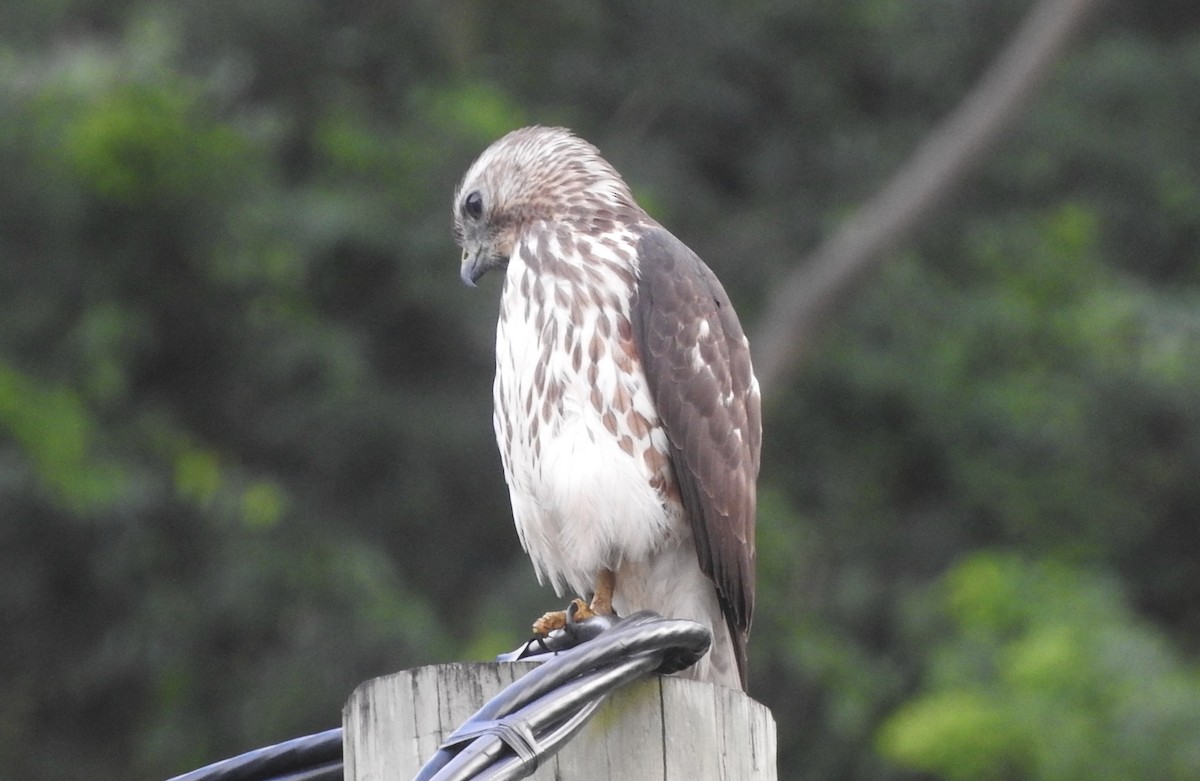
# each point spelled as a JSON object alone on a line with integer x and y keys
{"x": 246, "y": 455}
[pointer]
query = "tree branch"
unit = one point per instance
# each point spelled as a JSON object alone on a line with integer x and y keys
{"x": 811, "y": 295}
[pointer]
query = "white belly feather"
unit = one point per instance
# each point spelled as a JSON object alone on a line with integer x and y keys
{"x": 581, "y": 501}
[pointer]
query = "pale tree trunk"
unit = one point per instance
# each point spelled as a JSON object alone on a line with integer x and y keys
{"x": 813, "y": 294}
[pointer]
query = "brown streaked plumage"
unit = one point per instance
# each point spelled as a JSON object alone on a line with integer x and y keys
{"x": 626, "y": 407}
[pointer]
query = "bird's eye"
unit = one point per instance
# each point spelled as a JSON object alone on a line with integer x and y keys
{"x": 473, "y": 205}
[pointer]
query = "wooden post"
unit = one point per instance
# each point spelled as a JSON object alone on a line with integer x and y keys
{"x": 656, "y": 728}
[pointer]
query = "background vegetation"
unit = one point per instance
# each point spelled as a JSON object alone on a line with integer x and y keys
{"x": 246, "y": 457}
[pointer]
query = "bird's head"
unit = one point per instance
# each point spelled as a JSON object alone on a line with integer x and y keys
{"x": 531, "y": 174}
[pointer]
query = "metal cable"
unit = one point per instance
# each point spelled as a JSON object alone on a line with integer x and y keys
{"x": 522, "y": 726}
{"x": 505, "y": 768}
{"x": 568, "y": 681}
{"x": 310, "y": 758}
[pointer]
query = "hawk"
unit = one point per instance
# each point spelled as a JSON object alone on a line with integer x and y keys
{"x": 626, "y": 408}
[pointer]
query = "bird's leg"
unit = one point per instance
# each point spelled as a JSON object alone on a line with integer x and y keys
{"x": 606, "y": 582}
{"x": 601, "y": 605}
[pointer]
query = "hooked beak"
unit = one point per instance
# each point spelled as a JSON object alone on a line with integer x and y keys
{"x": 472, "y": 268}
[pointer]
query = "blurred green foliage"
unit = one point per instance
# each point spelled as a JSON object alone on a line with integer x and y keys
{"x": 246, "y": 457}
{"x": 53, "y": 429}
{"x": 141, "y": 144}
{"x": 1047, "y": 674}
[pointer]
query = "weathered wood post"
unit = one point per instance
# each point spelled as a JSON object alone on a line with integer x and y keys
{"x": 655, "y": 728}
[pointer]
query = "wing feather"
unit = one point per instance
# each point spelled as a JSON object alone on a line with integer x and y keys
{"x": 698, "y": 369}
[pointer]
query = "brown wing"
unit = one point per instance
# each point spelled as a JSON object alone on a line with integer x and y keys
{"x": 703, "y": 386}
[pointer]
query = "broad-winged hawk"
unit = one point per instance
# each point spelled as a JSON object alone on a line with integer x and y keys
{"x": 626, "y": 408}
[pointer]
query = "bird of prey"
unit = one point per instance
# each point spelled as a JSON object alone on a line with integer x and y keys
{"x": 626, "y": 408}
